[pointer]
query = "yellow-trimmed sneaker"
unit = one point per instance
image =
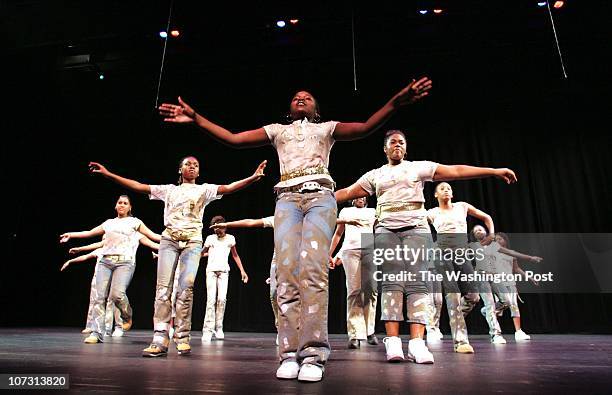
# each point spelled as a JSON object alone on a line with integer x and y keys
{"x": 464, "y": 349}
{"x": 183, "y": 348}
{"x": 155, "y": 350}
{"x": 92, "y": 339}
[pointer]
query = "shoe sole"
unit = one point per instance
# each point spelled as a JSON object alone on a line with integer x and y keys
{"x": 184, "y": 353}
{"x": 286, "y": 377}
{"x": 310, "y": 379}
{"x": 397, "y": 358}
{"x": 413, "y": 359}
{"x": 154, "y": 355}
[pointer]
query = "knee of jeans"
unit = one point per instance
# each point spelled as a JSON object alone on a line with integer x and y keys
{"x": 221, "y": 301}
{"x": 162, "y": 294}
{"x": 117, "y": 296}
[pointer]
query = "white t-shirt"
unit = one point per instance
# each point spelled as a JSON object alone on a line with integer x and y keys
{"x": 451, "y": 225}
{"x": 489, "y": 262}
{"x": 218, "y": 252}
{"x": 184, "y": 205}
{"x": 352, "y": 233}
{"x": 97, "y": 253}
{"x": 504, "y": 264}
{"x": 121, "y": 236}
{"x": 396, "y": 185}
{"x": 301, "y": 145}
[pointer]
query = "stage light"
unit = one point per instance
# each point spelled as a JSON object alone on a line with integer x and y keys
{"x": 175, "y": 33}
{"x": 294, "y": 21}
{"x": 100, "y": 76}
{"x": 163, "y": 34}
{"x": 541, "y": 3}
{"x": 280, "y": 23}
{"x": 558, "y": 4}
{"x": 437, "y": 11}
{"x": 422, "y": 12}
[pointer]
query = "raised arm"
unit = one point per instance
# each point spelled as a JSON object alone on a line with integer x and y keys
{"x": 78, "y": 259}
{"x": 484, "y": 217}
{"x": 236, "y": 257}
{"x": 245, "y": 182}
{"x": 89, "y": 247}
{"x": 520, "y": 255}
{"x": 241, "y": 223}
{"x": 135, "y": 186}
{"x": 97, "y": 231}
{"x": 353, "y": 192}
{"x": 183, "y": 113}
{"x": 464, "y": 172}
{"x": 410, "y": 94}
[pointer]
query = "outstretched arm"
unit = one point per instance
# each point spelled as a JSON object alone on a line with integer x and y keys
{"x": 236, "y": 257}
{"x": 78, "y": 259}
{"x": 89, "y": 247}
{"x": 464, "y": 172}
{"x": 412, "y": 93}
{"x": 353, "y": 192}
{"x": 484, "y": 217}
{"x": 241, "y": 223}
{"x": 135, "y": 186}
{"x": 245, "y": 182}
{"x": 520, "y": 255}
{"x": 97, "y": 231}
{"x": 145, "y": 241}
{"x": 183, "y": 113}
{"x": 516, "y": 269}
{"x": 149, "y": 233}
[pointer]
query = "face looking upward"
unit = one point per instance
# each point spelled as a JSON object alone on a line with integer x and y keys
{"x": 360, "y": 202}
{"x": 303, "y": 105}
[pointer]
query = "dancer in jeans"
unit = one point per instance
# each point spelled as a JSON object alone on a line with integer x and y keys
{"x": 402, "y": 224}
{"x": 181, "y": 242}
{"x": 305, "y": 215}
{"x": 116, "y": 266}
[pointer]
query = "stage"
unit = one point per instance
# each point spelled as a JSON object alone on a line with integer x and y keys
{"x": 247, "y": 362}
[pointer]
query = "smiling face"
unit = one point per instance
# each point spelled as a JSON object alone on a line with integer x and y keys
{"x": 303, "y": 105}
{"x": 123, "y": 206}
{"x": 443, "y": 192}
{"x": 360, "y": 202}
{"x": 395, "y": 147}
{"x": 190, "y": 169}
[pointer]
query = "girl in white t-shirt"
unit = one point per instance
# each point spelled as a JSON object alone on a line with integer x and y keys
{"x": 217, "y": 248}
{"x": 402, "y": 237}
{"x": 449, "y": 221}
{"x": 361, "y": 290}
{"x": 95, "y": 251}
{"x": 305, "y": 214}
{"x": 266, "y": 222}
{"x": 115, "y": 268}
{"x": 181, "y": 242}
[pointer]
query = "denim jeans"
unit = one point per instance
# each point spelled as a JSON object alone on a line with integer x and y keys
{"x": 216, "y": 297}
{"x": 185, "y": 254}
{"x": 303, "y": 227}
{"x": 112, "y": 279}
{"x": 361, "y": 295}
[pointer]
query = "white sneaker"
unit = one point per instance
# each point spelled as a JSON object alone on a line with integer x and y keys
{"x": 206, "y": 337}
{"x": 310, "y": 372}
{"x": 118, "y": 332}
{"x": 418, "y": 352}
{"x": 288, "y": 370}
{"x": 433, "y": 334}
{"x": 219, "y": 334}
{"x": 498, "y": 339}
{"x": 277, "y": 339}
{"x": 393, "y": 346}
{"x": 520, "y": 336}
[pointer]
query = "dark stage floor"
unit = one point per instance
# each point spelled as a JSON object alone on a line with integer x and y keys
{"x": 247, "y": 362}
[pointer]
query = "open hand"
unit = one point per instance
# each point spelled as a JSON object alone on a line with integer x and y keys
{"x": 95, "y": 167}
{"x": 259, "y": 172}
{"x": 182, "y": 113}
{"x": 507, "y": 175}
{"x": 415, "y": 91}
{"x": 65, "y": 237}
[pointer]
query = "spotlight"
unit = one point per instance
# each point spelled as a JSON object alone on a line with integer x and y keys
{"x": 163, "y": 34}
{"x": 558, "y": 4}
{"x": 437, "y": 11}
{"x": 422, "y": 12}
{"x": 175, "y": 33}
{"x": 294, "y": 21}
{"x": 100, "y": 76}
{"x": 280, "y": 23}
{"x": 541, "y": 3}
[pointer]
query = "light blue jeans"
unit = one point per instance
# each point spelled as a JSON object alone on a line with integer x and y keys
{"x": 303, "y": 227}
{"x": 170, "y": 254}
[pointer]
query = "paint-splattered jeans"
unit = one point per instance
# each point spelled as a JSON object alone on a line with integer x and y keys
{"x": 361, "y": 294}
{"x": 303, "y": 228}
{"x": 186, "y": 254}
{"x": 273, "y": 287}
{"x": 112, "y": 279}
{"x": 216, "y": 298}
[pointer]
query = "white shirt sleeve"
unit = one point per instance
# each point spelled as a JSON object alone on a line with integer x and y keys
{"x": 342, "y": 214}
{"x": 232, "y": 241}
{"x": 272, "y": 131}
{"x": 368, "y": 182}
{"x": 160, "y": 192}
{"x": 210, "y": 192}
{"x": 426, "y": 170}
{"x": 208, "y": 242}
